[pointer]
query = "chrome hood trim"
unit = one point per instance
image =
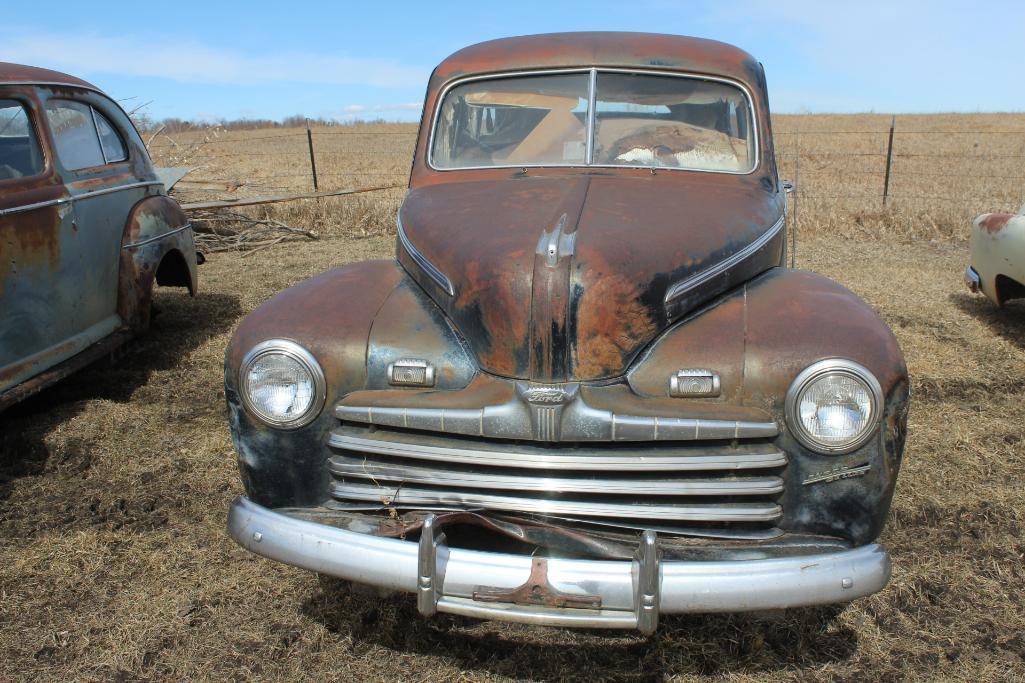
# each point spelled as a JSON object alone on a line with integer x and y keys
{"x": 429, "y": 268}
{"x": 680, "y": 289}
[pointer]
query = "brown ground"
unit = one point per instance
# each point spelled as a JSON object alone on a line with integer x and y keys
{"x": 114, "y": 563}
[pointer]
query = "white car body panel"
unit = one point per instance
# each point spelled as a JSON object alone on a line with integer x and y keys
{"x": 998, "y": 252}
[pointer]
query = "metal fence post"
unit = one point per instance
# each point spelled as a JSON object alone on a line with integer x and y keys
{"x": 889, "y": 161}
{"x": 313, "y": 161}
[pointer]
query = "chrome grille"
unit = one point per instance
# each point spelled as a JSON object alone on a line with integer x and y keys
{"x": 705, "y": 482}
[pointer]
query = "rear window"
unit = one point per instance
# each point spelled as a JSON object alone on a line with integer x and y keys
{"x": 20, "y": 156}
{"x": 84, "y": 137}
{"x": 110, "y": 142}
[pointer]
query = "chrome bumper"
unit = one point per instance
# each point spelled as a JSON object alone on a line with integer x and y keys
{"x": 632, "y": 594}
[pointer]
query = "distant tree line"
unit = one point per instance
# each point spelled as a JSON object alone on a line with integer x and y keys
{"x": 176, "y": 125}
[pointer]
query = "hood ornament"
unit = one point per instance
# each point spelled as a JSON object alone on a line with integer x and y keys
{"x": 557, "y": 244}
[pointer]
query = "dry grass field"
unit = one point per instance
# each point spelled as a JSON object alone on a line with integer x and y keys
{"x": 114, "y": 563}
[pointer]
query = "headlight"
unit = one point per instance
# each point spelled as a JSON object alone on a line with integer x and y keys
{"x": 282, "y": 384}
{"x": 834, "y": 405}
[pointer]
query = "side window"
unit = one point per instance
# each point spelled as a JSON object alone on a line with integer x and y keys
{"x": 84, "y": 137}
{"x": 20, "y": 156}
{"x": 111, "y": 143}
{"x": 74, "y": 134}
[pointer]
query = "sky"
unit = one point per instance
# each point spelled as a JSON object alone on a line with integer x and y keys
{"x": 365, "y": 60}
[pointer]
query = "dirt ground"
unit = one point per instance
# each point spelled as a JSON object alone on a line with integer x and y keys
{"x": 114, "y": 561}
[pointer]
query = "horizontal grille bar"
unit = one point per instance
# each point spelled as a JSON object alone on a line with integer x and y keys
{"x": 577, "y": 422}
{"x": 404, "y": 496}
{"x": 359, "y": 468}
{"x": 601, "y": 458}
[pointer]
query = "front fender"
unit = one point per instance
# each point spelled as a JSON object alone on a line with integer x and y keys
{"x": 759, "y": 338}
{"x": 330, "y": 316}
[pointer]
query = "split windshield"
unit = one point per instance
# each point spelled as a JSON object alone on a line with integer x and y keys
{"x": 638, "y": 120}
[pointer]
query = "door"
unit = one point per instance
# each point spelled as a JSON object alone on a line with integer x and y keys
{"x": 93, "y": 160}
{"x": 36, "y": 221}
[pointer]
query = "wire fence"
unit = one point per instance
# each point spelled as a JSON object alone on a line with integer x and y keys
{"x": 948, "y": 174}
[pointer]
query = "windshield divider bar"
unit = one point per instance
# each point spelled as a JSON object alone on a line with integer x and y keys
{"x": 591, "y": 98}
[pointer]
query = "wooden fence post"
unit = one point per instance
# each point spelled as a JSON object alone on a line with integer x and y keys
{"x": 313, "y": 161}
{"x": 889, "y": 161}
{"x": 797, "y": 195}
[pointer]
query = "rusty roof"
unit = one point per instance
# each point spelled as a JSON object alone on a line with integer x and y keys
{"x": 608, "y": 49}
{"x": 19, "y": 73}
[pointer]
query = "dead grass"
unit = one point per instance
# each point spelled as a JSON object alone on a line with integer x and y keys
{"x": 114, "y": 563}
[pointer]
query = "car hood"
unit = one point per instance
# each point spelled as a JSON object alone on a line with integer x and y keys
{"x": 568, "y": 277}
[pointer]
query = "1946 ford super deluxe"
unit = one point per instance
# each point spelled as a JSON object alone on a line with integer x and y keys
{"x": 587, "y": 390}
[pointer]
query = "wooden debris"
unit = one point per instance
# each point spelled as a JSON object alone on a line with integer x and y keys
{"x": 223, "y": 230}
{"x": 272, "y": 199}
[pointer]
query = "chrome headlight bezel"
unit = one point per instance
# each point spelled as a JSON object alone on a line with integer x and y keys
{"x": 816, "y": 371}
{"x": 298, "y": 354}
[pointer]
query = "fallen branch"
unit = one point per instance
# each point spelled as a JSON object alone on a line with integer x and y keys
{"x": 225, "y": 230}
{"x": 252, "y": 201}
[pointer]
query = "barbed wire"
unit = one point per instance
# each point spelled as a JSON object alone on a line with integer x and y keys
{"x": 898, "y": 131}
{"x": 899, "y": 197}
{"x": 885, "y": 161}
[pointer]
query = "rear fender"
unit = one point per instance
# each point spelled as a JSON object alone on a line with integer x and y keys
{"x": 157, "y": 229}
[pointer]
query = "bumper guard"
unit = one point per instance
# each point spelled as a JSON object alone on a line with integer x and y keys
{"x": 971, "y": 280}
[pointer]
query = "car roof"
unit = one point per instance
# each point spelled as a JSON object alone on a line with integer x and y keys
{"x": 602, "y": 49}
{"x": 20, "y": 73}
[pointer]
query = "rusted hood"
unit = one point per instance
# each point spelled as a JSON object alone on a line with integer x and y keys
{"x": 566, "y": 277}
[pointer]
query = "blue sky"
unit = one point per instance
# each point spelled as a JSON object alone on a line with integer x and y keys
{"x": 211, "y": 60}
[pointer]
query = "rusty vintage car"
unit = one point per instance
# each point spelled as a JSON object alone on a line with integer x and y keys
{"x": 587, "y": 391}
{"x": 85, "y": 229}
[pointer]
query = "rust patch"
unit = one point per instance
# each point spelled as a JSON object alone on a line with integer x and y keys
{"x": 610, "y": 322}
{"x": 995, "y": 222}
{"x": 537, "y": 590}
{"x": 31, "y": 241}
{"x": 34, "y": 236}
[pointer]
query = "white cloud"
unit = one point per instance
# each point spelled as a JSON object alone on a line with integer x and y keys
{"x": 406, "y": 106}
{"x": 196, "y": 63}
{"x": 400, "y": 111}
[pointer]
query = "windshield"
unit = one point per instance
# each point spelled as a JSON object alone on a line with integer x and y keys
{"x": 639, "y": 119}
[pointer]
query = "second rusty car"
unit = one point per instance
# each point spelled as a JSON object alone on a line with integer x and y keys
{"x": 86, "y": 229}
{"x": 587, "y": 391}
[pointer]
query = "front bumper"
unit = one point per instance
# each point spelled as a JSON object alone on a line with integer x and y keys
{"x": 971, "y": 280}
{"x": 632, "y": 594}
